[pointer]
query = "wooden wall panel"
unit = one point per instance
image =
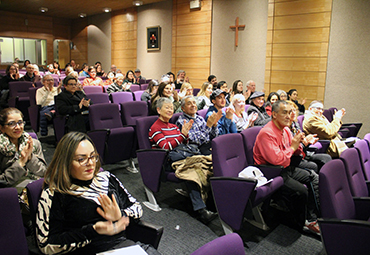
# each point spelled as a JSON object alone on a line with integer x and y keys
{"x": 191, "y": 40}
{"x": 79, "y": 38}
{"x": 124, "y": 39}
{"x": 297, "y": 47}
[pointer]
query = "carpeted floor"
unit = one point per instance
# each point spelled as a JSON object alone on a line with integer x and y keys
{"x": 183, "y": 234}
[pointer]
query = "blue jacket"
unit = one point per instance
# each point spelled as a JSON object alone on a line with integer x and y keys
{"x": 225, "y": 125}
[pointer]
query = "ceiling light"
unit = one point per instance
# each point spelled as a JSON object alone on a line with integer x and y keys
{"x": 107, "y": 9}
{"x": 82, "y": 15}
{"x": 43, "y": 9}
{"x": 137, "y": 3}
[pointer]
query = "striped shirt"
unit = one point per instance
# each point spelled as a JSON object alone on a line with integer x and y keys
{"x": 165, "y": 135}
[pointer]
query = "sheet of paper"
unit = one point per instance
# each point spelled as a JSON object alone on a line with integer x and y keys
{"x": 135, "y": 249}
{"x": 24, "y": 183}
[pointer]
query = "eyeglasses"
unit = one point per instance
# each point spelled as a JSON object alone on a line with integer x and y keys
{"x": 13, "y": 124}
{"x": 83, "y": 161}
{"x": 319, "y": 109}
{"x": 72, "y": 84}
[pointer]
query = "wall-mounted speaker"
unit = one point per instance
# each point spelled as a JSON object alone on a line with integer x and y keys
{"x": 195, "y": 4}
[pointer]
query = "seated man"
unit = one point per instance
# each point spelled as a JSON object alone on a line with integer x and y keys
{"x": 275, "y": 145}
{"x": 165, "y": 135}
{"x": 45, "y": 97}
{"x": 202, "y": 132}
{"x": 30, "y": 75}
{"x": 316, "y": 123}
{"x": 225, "y": 124}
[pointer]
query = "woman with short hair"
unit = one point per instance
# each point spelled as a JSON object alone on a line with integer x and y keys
{"x": 257, "y": 100}
{"x": 240, "y": 117}
{"x": 93, "y": 80}
{"x": 150, "y": 91}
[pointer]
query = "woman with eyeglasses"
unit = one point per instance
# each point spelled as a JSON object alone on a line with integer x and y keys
{"x": 83, "y": 210}
{"x": 21, "y": 156}
{"x": 73, "y": 102}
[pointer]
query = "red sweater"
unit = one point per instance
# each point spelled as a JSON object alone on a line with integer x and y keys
{"x": 165, "y": 135}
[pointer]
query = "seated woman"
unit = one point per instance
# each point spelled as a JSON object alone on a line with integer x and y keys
{"x": 84, "y": 70}
{"x": 293, "y": 96}
{"x": 150, "y": 91}
{"x": 240, "y": 117}
{"x": 165, "y": 135}
{"x": 73, "y": 103}
{"x": 100, "y": 72}
{"x": 21, "y": 156}
{"x": 93, "y": 80}
{"x": 130, "y": 78}
{"x": 282, "y": 94}
{"x": 25, "y": 64}
{"x": 119, "y": 86}
{"x": 56, "y": 66}
{"x": 51, "y": 70}
{"x": 11, "y": 75}
{"x": 186, "y": 90}
{"x": 257, "y": 100}
{"x": 271, "y": 99}
{"x": 164, "y": 90}
{"x": 82, "y": 210}
{"x": 204, "y": 94}
{"x": 110, "y": 79}
{"x": 237, "y": 88}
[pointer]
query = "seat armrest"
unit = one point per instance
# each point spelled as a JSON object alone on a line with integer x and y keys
{"x": 362, "y": 206}
{"x": 270, "y": 171}
{"x": 145, "y": 232}
{"x": 100, "y": 138}
{"x": 368, "y": 187}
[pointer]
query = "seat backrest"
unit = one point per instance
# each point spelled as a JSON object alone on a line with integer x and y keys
{"x": 104, "y": 116}
{"x": 230, "y": 244}
{"x": 202, "y": 113}
{"x": 12, "y": 233}
{"x": 175, "y": 117}
{"x": 130, "y": 111}
{"x": 354, "y": 171}
{"x": 142, "y": 131}
{"x": 19, "y": 88}
{"x": 121, "y": 97}
{"x": 32, "y": 95}
{"x": 135, "y": 87}
{"x": 38, "y": 84}
{"x": 138, "y": 94}
{"x": 228, "y": 155}
{"x": 364, "y": 150}
{"x": 367, "y": 138}
{"x": 92, "y": 89}
{"x": 195, "y": 91}
{"x": 327, "y": 114}
{"x": 335, "y": 195}
{"x": 249, "y": 138}
{"x": 34, "y": 190}
{"x": 246, "y": 107}
{"x": 144, "y": 86}
{"x": 98, "y": 98}
{"x": 300, "y": 119}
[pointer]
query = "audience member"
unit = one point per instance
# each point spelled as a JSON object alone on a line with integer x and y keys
{"x": 282, "y": 94}
{"x": 251, "y": 88}
{"x": 275, "y": 145}
{"x": 186, "y": 90}
{"x": 110, "y": 79}
{"x": 36, "y": 71}
{"x": 82, "y": 209}
{"x": 74, "y": 65}
{"x": 201, "y": 132}
{"x": 25, "y": 64}
{"x": 30, "y": 76}
{"x": 92, "y": 80}
{"x": 100, "y": 72}
{"x": 240, "y": 117}
{"x": 165, "y": 135}
{"x": 316, "y": 123}
{"x": 84, "y": 71}
{"x": 150, "y": 91}
{"x": 45, "y": 98}
{"x": 68, "y": 70}
{"x": 180, "y": 79}
{"x": 223, "y": 86}
{"x": 12, "y": 74}
{"x": 164, "y": 90}
{"x": 56, "y": 65}
{"x": 118, "y": 85}
{"x": 204, "y": 94}
{"x": 73, "y": 102}
{"x": 212, "y": 79}
{"x": 271, "y": 99}
{"x": 17, "y": 67}
{"x": 138, "y": 75}
{"x": 130, "y": 78}
{"x": 21, "y": 156}
{"x": 257, "y": 105}
{"x": 293, "y": 96}
{"x": 237, "y": 88}
{"x": 113, "y": 69}
{"x": 225, "y": 124}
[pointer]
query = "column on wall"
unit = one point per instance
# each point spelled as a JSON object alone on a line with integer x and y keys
{"x": 124, "y": 39}
{"x": 191, "y": 40}
{"x": 79, "y": 39}
{"x": 297, "y": 47}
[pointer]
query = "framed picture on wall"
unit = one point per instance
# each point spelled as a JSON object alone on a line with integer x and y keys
{"x": 153, "y": 35}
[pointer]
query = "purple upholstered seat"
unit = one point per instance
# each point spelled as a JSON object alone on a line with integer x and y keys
{"x": 98, "y": 98}
{"x": 202, "y": 113}
{"x": 229, "y": 158}
{"x": 195, "y": 91}
{"x": 131, "y": 111}
{"x": 175, "y": 117}
{"x": 144, "y": 86}
{"x": 137, "y": 95}
{"x": 121, "y": 97}
{"x": 19, "y": 97}
{"x": 135, "y": 87}
{"x": 367, "y": 137}
{"x": 354, "y": 171}
{"x": 364, "y": 150}
{"x": 34, "y": 110}
{"x": 12, "y": 233}
{"x": 119, "y": 140}
{"x": 92, "y": 89}
{"x": 230, "y": 244}
{"x": 300, "y": 119}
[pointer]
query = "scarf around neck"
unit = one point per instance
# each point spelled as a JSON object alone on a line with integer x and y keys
{"x": 7, "y": 148}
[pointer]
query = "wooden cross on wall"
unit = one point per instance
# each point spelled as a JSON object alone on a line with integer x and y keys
{"x": 237, "y": 27}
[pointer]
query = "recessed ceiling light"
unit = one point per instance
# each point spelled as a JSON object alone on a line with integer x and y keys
{"x": 107, "y": 9}
{"x": 82, "y": 15}
{"x": 137, "y": 3}
{"x": 43, "y": 9}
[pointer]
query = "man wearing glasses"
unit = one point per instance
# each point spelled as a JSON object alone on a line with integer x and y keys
{"x": 45, "y": 98}
{"x": 316, "y": 123}
{"x": 73, "y": 102}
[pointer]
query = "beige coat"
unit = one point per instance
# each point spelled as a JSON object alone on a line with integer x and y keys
{"x": 313, "y": 124}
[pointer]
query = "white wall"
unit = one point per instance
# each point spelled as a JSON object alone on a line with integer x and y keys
{"x": 99, "y": 40}
{"x": 154, "y": 63}
{"x": 247, "y": 61}
{"x": 348, "y": 76}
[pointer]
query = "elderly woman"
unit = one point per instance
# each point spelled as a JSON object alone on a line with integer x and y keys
{"x": 110, "y": 79}
{"x": 93, "y": 80}
{"x": 150, "y": 91}
{"x": 240, "y": 117}
{"x": 257, "y": 100}
{"x": 282, "y": 94}
{"x": 73, "y": 102}
{"x": 119, "y": 85}
{"x": 205, "y": 93}
{"x": 164, "y": 90}
{"x": 45, "y": 97}
{"x": 271, "y": 99}
{"x": 293, "y": 96}
{"x": 21, "y": 156}
{"x": 83, "y": 210}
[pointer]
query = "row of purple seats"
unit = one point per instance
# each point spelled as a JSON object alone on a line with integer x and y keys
{"x": 345, "y": 202}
